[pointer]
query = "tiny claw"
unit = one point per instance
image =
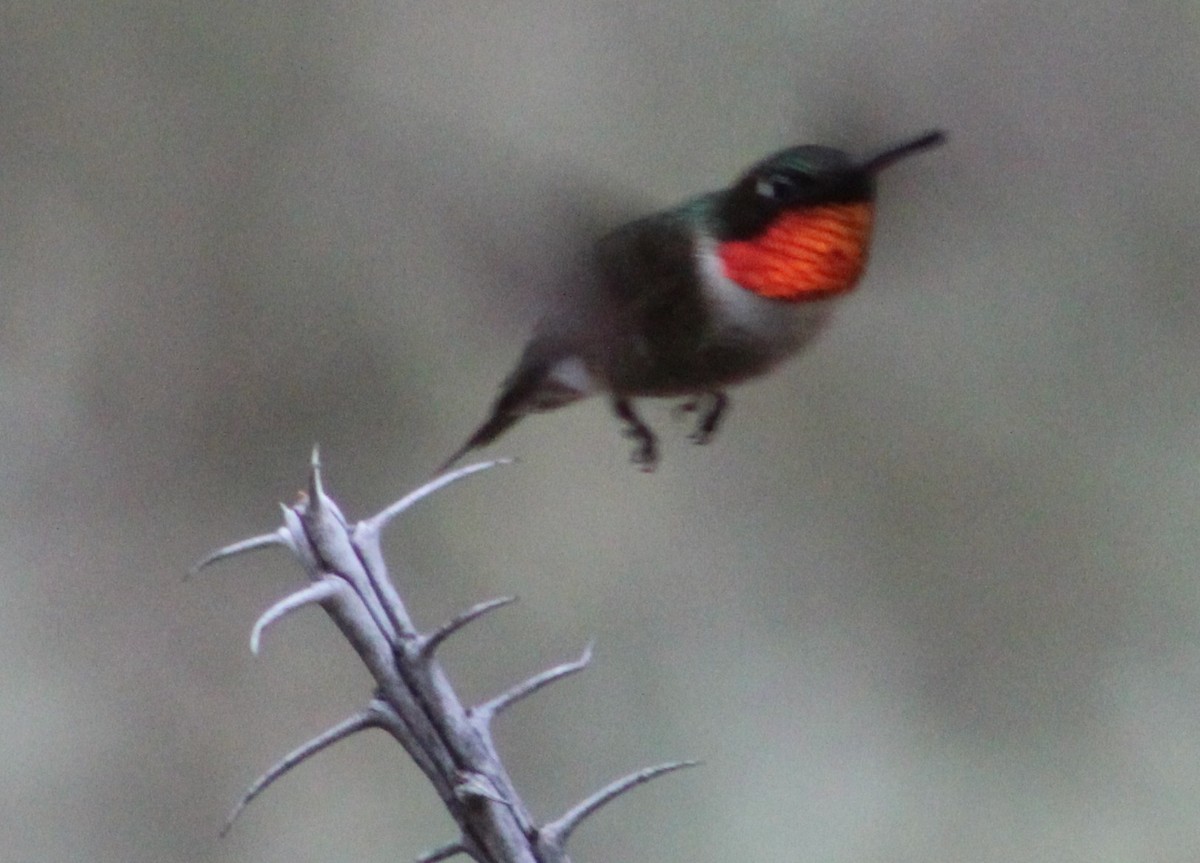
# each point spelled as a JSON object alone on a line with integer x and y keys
{"x": 710, "y": 419}
{"x": 645, "y": 455}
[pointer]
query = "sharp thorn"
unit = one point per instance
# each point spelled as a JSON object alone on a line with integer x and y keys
{"x": 442, "y": 853}
{"x": 487, "y": 711}
{"x": 315, "y": 593}
{"x": 266, "y": 540}
{"x": 346, "y": 728}
{"x": 315, "y": 490}
{"x": 380, "y": 520}
{"x": 433, "y": 640}
{"x": 559, "y": 831}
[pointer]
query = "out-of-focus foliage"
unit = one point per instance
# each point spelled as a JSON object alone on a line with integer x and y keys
{"x": 930, "y": 596}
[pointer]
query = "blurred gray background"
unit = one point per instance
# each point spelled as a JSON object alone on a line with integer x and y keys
{"x": 930, "y": 596}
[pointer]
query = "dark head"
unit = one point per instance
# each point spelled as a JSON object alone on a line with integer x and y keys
{"x": 797, "y": 226}
{"x": 802, "y": 177}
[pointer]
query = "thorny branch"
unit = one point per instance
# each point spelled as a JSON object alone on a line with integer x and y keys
{"x": 414, "y": 701}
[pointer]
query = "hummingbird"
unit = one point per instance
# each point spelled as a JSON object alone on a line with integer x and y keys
{"x": 688, "y": 301}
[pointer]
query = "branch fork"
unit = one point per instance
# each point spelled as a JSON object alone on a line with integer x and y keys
{"x": 414, "y": 701}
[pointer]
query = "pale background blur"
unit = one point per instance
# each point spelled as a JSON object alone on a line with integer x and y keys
{"x": 930, "y": 596}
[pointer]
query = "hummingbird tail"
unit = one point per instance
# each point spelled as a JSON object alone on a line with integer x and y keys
{"x": 540, "y": 383}
{"x": 497, "y": 424}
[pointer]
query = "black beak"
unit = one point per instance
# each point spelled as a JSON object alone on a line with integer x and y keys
{"x": 878, "y": 162}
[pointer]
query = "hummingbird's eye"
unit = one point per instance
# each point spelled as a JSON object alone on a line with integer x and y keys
{"x": 783, "y": 187}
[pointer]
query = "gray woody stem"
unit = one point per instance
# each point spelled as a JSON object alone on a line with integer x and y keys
{"x": 414, "y": 701}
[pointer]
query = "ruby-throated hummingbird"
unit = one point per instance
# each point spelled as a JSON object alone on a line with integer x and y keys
{"x": 688, "y": 301}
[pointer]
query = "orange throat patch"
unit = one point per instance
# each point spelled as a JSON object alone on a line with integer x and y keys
{"x": 805, "y": 254}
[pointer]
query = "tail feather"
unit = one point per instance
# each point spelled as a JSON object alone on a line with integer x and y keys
{"x": 529, "y": 389}
{"x": 497, "y": 424}
{"x": 537, "y": 385}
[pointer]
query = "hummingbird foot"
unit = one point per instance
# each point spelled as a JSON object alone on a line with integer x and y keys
{"x": 711, "y": 407}
{"x": 645, "y": 454}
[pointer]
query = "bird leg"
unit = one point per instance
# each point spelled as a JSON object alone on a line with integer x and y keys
{"x": 645, "y": 454}
{"x": 711, "y": 407}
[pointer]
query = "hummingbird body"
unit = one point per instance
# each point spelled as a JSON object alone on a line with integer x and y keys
{"x": 691, "y": 300}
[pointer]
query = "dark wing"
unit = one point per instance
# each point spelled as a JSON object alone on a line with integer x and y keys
{"x": 523, "y": 392}
{"x": 648, "y": 277}
{"x": 520, "y": 224}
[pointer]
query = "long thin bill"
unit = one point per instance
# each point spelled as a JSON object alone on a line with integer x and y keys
{"x": 930, "y": 139}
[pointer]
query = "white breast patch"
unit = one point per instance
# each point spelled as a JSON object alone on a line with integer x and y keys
{"x": 783, "y": 326}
